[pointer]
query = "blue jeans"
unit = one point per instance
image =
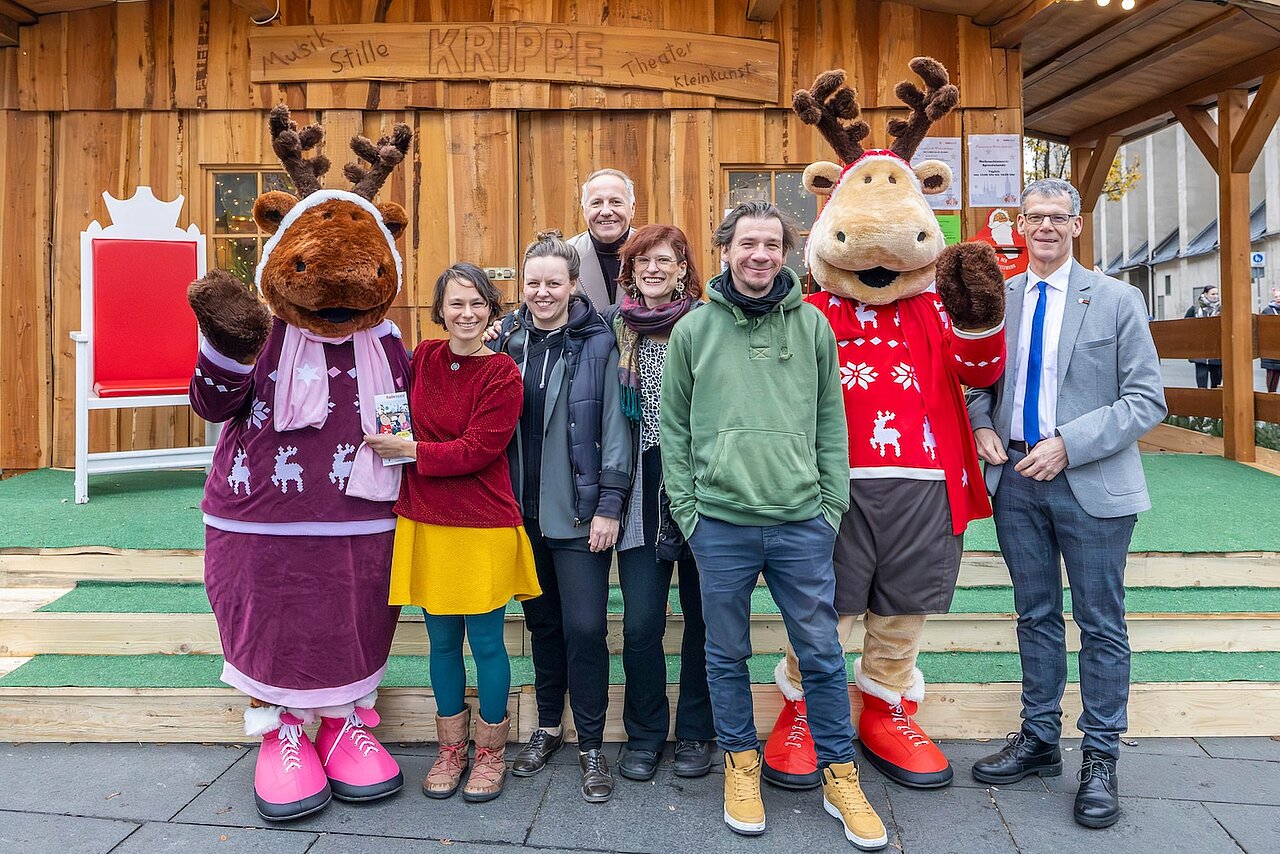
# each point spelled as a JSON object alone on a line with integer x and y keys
{"x": 796, "y": 560}
{"x": 1040, "y": 524}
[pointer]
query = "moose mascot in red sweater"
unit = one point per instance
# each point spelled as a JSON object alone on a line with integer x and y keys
{"x": 913, "y": 320}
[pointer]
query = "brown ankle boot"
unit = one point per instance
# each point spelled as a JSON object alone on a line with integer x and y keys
{"x": 490, "y": 768}
{"x": 445, "y": 775}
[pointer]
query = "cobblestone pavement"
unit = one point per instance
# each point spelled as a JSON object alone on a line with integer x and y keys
{"x": 1179, "y": 794}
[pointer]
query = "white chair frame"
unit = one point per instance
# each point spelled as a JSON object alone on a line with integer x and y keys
{"x": 141, "y": 217}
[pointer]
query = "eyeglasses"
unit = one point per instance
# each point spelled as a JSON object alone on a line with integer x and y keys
{"x": 1056, "y": 219}
{"x": 640, "y": 262}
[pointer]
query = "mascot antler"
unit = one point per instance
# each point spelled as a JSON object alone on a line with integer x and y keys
{"x": 382, "y": 159}
{"x": 289, "y": 144}
{"x": 939, "y": 98}
{"x": 833, "y": 108}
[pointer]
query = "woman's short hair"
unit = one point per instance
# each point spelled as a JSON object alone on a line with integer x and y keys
{"x": 642, "y": 242}
{"x": 551, "y": 244}
{"x": 468, "y": 274}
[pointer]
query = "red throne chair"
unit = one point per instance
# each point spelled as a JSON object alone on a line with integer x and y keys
{"x": 138, "y": 338}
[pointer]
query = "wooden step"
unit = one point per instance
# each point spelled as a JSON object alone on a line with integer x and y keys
{"x": 61, "y": 569}
{"x": 26, "y": 634}
{"x": 1156, "y": 709}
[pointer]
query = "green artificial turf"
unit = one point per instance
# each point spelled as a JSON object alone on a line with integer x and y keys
{"x": 1200, "y": 504}
{"x": 157, "y": 598}
{"x": 202, "y": 671}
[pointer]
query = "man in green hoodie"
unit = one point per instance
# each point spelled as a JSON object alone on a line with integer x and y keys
{"x": 755, "y": 463}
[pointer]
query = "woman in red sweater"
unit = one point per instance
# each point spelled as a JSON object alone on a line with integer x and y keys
{"x": 461, "y": 552}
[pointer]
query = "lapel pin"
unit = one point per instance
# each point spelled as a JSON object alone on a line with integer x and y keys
{"x": 1084, "y": 300}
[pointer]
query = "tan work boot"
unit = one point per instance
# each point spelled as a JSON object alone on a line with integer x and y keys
{"x": 490, "y": 766}
{"x": 743, "y": 809}
{"x": 843, "y": 798}
{"x": 446, "y": 773}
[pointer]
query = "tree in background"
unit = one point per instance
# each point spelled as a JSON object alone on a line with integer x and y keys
{"x": 1044, "y": 159}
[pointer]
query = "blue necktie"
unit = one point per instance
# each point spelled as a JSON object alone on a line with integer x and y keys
{"x": 1035, "y": 365}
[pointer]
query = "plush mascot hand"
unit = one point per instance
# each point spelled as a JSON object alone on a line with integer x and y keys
{"x": 971, "y": 286}
{"x": 232, "y": 318}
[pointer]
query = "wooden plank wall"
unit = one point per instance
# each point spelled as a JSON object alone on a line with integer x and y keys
{"x": 492, "y": 164}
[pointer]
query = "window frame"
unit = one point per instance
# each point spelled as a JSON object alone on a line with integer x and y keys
{"x": 210, "y": 207}
{"x": 804, "y": 225}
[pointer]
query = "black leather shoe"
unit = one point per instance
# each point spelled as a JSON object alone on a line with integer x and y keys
{"x": 597, "y": 782}
{"x": 1098, "y": 799}
{"x": 693, "y": 758}
{"x": 533, "y": 757}
{"x": 1023, "y": 754}
{"x": 638, "y": 764}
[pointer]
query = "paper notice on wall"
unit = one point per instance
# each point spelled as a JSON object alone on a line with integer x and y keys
{"x": 950, "y": 224}
{"x": 946, "y": 149}
{"x": 995, "y": 169}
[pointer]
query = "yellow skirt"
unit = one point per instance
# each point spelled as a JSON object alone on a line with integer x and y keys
{"x": 449, "y": 570}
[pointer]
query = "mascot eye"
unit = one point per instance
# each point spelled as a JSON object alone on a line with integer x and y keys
{"x": 840, "y": 236}
{"x": 920, "y": 237}
{"x": 300, "y": 265}
{"x": 892, "y": 180}
{"x": 381, "y": 270}
{"x": 866, "y": 180}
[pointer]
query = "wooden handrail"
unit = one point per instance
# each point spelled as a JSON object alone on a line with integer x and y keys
{"x": 1188, "y": 338}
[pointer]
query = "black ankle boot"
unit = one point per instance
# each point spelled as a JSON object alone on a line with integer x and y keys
{"x": 1098, "y": 799}
{"x": 1023, "y": 754}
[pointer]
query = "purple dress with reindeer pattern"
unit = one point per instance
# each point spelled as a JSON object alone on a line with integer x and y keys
{"x": 297, "y": 572}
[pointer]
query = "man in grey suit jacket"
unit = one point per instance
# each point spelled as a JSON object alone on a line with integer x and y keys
{"x": 608, "y": 205}
{"x": 1059, "y": 433}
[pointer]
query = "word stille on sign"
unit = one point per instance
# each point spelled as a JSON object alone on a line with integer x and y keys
{"x": 697, "y": 63}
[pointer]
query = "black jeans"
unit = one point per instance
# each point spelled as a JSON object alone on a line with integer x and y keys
{"x": 1208, "y": 376}
{"x": 646, "y": 585}
{"x": 568, "y": 623}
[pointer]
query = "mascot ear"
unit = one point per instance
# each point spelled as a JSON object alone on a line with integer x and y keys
{"x": 821, "y": 178}
{"x": 394, "y": 218}
{"x": 271, "y": 208}
{"x": 934, "y": 175}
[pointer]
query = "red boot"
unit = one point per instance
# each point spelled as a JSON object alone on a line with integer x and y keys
{"x": 895, "y": 744}
{"x": 790, "y": 760}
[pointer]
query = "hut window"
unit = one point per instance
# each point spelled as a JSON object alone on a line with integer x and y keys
{"x": 237, "y": 241}
{"x": 783, "y": 187}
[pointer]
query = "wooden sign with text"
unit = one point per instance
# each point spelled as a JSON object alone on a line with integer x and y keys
{"x": 696, "y": 63}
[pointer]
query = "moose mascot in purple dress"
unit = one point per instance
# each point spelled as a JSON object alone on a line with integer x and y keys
{"x": 297, "y": 510}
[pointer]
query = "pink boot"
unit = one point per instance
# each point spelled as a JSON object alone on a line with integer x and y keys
{"x": 289, "y": 781}
{"x": 358, "y": 767}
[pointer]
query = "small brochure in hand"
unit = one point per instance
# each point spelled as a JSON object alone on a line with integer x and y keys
{"x": 392, "y": 414}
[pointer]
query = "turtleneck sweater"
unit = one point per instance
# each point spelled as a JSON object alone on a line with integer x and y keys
{"x": 610, "y": 262}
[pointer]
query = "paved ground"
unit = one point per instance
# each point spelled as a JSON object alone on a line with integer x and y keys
{"x": 1180, "y": 795}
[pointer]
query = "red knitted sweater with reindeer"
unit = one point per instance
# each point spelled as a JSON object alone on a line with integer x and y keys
{"x": 885, "y": 383}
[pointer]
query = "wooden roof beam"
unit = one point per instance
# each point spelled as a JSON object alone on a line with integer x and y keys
{"x": 8, "y": 32}
{"x": 1257, "y": 124}
{"x": 1202, "y": 129}
{"x": 259, "y": 10}
{"x": 1100, "y": 37}
{"x": 1095, "y": 174}
{"x": 1009, "y": 32}
{"x": 1208, "y": 29}
{"x": 997, "y": 10}
{"x": 763, "y": 11}
{"x": 1241, "y": 74}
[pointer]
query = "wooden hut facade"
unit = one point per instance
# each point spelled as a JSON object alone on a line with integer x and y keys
{"x": 512, "y": 105}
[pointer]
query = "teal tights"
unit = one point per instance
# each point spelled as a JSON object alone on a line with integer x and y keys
{"x": 488, "y": 648}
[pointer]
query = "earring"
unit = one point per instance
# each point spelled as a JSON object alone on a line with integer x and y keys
{"x": 680, "y": 289}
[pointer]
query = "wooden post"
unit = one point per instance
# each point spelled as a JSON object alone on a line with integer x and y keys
{"x": 1234, "y": 284}
{"x": 1084, "y": 243}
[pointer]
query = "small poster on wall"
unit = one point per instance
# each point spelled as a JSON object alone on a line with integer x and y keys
{"x": 995, "y": 169}
{"x": 946, "y": 149}
{"x": 950, "y": 224}
{"x": 1011, "y": 248}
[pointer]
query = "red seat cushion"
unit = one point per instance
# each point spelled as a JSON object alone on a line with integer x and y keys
{"x": 133, "y": 388}
{"x": 144, "y": 334}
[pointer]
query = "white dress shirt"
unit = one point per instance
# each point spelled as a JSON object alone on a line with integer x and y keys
{"x": 1056, "y": 294}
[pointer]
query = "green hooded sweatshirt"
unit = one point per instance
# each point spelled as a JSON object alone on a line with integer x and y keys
{"x": 752, "y": 418}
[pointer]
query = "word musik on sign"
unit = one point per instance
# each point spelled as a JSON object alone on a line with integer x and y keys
{"x": 697, "y": 63}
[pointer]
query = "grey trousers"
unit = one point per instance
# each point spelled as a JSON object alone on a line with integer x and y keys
{"x": 1039, "y": 525}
